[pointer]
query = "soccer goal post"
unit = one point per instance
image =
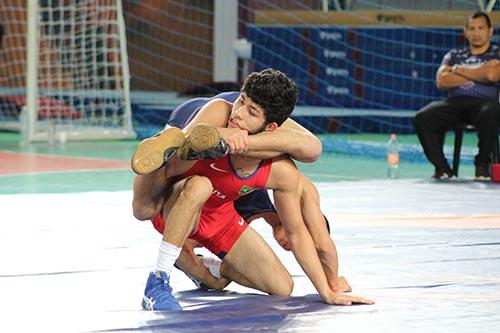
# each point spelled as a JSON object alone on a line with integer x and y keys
{"x": 70, "y": 61}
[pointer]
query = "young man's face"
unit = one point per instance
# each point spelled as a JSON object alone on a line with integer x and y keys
{"x": 247, "y": 115}
{"x": 477, "y": 32}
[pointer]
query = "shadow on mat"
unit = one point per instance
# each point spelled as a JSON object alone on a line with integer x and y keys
{"x": 225, "y": 311}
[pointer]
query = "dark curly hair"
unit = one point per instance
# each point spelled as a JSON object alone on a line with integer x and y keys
{"x": 274, "y": 92}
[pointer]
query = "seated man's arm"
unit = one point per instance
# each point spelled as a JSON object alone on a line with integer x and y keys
{"x": 492, "y": 68}
{"x": 285, "y": 182}
{"x": 488, "y": 73}
{"x": 445, "y": 79}
{"x": 290, "y": 138}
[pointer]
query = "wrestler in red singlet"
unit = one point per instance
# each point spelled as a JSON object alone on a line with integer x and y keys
{"x": 220, "y": 225}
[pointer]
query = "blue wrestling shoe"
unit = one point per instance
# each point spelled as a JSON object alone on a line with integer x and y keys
{"x": 158, "y": 293}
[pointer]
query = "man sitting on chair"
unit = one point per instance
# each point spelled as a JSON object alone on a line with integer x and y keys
{"x": 471, "y": 75}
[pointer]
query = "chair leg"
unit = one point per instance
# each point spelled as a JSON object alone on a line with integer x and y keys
{"x": 496, "y": 151}
{"x": 459, "y": 134}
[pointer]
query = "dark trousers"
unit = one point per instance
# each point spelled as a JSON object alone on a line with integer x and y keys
{"x": 435, "y": 119}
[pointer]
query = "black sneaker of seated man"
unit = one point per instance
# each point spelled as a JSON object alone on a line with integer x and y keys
{"x": 443, "y": 175}
{"x": 482, "y": 173}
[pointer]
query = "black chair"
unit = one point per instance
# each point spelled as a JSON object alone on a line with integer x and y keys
{"x": 459, "y": 134}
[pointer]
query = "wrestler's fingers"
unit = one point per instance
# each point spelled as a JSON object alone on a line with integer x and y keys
{"x": 360, "y": 300}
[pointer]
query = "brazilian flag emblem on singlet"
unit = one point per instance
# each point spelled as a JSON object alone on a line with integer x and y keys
{"x": 245, "y": 190}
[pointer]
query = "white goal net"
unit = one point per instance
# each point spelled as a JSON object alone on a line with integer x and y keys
{"x": 64, "y": 70}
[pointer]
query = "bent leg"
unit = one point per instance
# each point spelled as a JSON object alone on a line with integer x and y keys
{"x": 181, "y": 211}
{"x": 252, "y": 263}
{"x": 183, "y": 207}
{"x": 192, "y": 266}
{"x": 431, "y": 124}
{"x": 486, "y": 120}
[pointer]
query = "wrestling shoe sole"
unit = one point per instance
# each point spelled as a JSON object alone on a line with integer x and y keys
{"x": 202, "y": 137}
{"x": 153, "y": 152}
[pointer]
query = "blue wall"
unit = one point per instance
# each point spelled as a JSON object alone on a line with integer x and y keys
{"x": 369, "y": 68}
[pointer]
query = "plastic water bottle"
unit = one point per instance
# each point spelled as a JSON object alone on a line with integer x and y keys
{"x": 392, "y": 157}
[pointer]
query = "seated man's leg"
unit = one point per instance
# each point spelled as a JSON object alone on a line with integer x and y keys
{"x": 486, "y": 119}
{"x": 431, "y": 124}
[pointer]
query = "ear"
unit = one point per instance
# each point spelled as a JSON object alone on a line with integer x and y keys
{"x": 271, "y": 127}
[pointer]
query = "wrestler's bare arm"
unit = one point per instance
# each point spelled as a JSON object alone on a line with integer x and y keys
{"x": 290, "y": 138}
{"x": 285, "y": 181}
{"x": 325, "y": 247}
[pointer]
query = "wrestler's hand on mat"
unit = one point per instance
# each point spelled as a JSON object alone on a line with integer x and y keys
{"x": 236, "y": 138}
{"x": 337, "y": 284}
{"x": 343, "y": 285}
{"x": 343, "y": 299}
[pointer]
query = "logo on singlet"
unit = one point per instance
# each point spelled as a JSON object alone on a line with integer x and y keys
{"x": 241, "y": 222}
{"x": 245, "y": 190}
{"x": 212, "y": 165}
{"x": 218, "y": 194}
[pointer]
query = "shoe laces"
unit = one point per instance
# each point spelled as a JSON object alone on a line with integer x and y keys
{"x": 163, "y": 280}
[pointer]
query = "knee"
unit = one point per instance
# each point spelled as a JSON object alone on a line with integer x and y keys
{"x": 143, "y": 212}
{"x": 143, "y": 209}
{"x": 421, "y": 118}
{"x": 196, "y": 189}
{"x": 427, "y": 114}
{"x": 285, "y": 288}
{"x": 490, "y": 112}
